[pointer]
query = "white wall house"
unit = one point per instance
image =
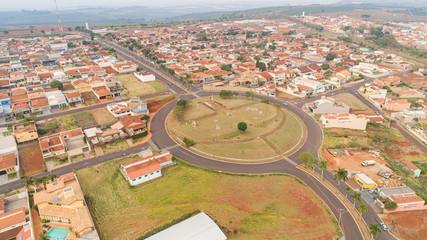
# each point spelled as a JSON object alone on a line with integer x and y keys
{"x": 145, "y": 77}
{"x": 317, "y": 86}
{"x": 146, "y": 169}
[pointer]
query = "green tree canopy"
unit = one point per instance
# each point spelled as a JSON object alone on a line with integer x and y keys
{"x": 242, "y": 126}
{"x": 56, "y": 84}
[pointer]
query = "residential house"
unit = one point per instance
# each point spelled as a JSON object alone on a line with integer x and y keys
{"x": 75, "y": 142}
{"x": 396, "y": 105}
{"x": 405, "y": 198}
{"x": 40, "y": 104}
{"x": 315, "y": 86}
{"x": 56, "y": 99}
{"x": 373, "y": 92}
{"x": 73, "y": 97}
{"x": 145, "y": 169}
{"x": 25, "y": 132}
{"x": 125, "y": 67}
{"x": 95, "y": 136}
{"x": 119, "y": 109}
{"x": 64, "y": 206}
{"x": 344, "y": 120}
{"x": 9, "y": 159}
{"x": 5, "y": 107}
{"x": 327, "y": 105}
{"x": 102, "y": 92}
{"x": 15, "y": 221}
{"x": 133, "y": 125}
{"x": 137, "y": 106}
{"x": 81, "y": 85}
{"x": 52, "y": 145}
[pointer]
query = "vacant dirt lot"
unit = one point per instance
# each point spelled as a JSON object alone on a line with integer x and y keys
{"x": 155, "y": 103}
{"x": 356, "y": 106}
{"x": 353, "y": 163}
{"x": 410, "y": 225}
{"x": 90, "y": 99}
{"x": 137, "y": 88}
{"x": 103, "y": 117}
{"x": 31, "y": 158}
{"x": 246, "y": 207}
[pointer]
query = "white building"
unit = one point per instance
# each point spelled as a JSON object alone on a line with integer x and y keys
{"x": 344, "y": 120}
{"x": 146, "y": 169}
{"x": 316, "y": 86}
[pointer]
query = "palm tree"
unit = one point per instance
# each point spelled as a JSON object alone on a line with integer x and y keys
{"x": 341, "y": 174}
{"x": 356, "y": 198}
{"x": 363, "y": 208}
{"x": 323, "y": 165}
{"x": 374, "y": 229}
{"x": 347, "y": 190}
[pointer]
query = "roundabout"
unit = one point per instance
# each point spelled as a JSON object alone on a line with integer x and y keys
{"x": 210, "y": 123}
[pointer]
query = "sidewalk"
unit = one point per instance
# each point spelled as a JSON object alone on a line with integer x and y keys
{"x": 363, "y": 226}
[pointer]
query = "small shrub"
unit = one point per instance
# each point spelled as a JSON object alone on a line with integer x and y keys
{"x": 390, "y": 205}
{"x": 188, "y": 142}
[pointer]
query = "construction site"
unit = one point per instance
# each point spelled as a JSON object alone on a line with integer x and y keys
{"x": 358, "y": 162}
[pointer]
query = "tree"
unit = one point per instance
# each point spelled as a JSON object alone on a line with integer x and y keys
{"x": 249, "y": 94}
{"x": 323, "y": 165}
{"x": 325, "y": 66}
{"x": 5, "y": 32}
{"x": 363, "y": 208}
{"x": 56, "y": 84}
{"x": 308, "y": 159}
{"x": 374, "y": 229}
{"x": 182, "y": 102}
{"x": 261, "y": 66}
{"x": 356, "y": 198}
{"x": 341, "y": 175}
{"x": 347, "y": 190}
{"x": 331, "y": 56}
{"x": 235, "y": 93}
{"x": 188, "y": 142}
{"x": 145, "y": 117}
{"x": 390, "y": 205}
{"x": 226, "y": 67}
{"x": 242, "y": 126}
{"x": 42, "y": 31}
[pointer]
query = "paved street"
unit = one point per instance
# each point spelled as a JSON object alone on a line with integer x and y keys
{"x": 162, "y": 140}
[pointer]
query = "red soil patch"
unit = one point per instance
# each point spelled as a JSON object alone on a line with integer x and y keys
{"x": 413, "y": 153}
{"x": 409, "y": 225}
{"x": 393, "y": 153}
{"x": 31, "y": 159}
{"x": 400, "y": 143}
{"x": 306, "y": 204}
{"x": 154, "y": 106}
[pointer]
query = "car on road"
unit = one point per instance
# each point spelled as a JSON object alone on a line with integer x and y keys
{"x": 332, "y": 94}
{"x": 377, "y": 113}
{"x": 169, "y": 83}
{"x": 286, "y": 104}
{"x": 383, "y": 226}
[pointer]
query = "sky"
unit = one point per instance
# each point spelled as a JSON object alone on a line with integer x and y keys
{"x": 67, "y": 4}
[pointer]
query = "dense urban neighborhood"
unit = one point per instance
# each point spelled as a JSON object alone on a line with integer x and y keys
{"x": 307, "y": 126}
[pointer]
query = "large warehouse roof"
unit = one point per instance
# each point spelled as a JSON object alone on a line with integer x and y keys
{"x": 197, "y": 227}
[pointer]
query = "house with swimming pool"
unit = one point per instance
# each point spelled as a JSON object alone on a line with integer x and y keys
{"x": 63, "y": 205}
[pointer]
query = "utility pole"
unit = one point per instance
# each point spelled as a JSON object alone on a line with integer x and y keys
{"x": 59, "y": 19}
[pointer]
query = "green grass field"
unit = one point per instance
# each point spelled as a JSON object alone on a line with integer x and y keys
{"x": 245, "y": 207}
{"x": 67, "y": 122}
{"x": 216, "y": 133}
{"x": 137, "y": 88}
{"x": 84, "y": 119}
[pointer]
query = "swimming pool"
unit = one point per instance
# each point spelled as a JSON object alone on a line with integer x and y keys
{"x": 58, "y": 234}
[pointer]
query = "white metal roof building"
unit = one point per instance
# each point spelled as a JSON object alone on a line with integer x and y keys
{"x": 197, "y": 227}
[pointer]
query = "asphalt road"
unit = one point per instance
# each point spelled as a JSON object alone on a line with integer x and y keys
{"x": 284, "y": 166}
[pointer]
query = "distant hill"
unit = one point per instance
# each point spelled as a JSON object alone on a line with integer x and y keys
{"x": 137, "y": 14}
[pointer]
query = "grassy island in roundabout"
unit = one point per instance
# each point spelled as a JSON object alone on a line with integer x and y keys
{"x": 210, "y": 123}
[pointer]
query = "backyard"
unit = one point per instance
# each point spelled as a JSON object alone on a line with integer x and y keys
{"x": 31, "y": 158}
{"x": 212, "y": 125}
{"x": 137, "y": 88}
{"x": 245, "y": 207}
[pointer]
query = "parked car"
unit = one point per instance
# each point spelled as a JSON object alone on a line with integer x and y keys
{"x": 383, "y": 226}
{"x": 332, "y": 94}
{"x": 377, "y": 113}
{"x": 286, "y": 104}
